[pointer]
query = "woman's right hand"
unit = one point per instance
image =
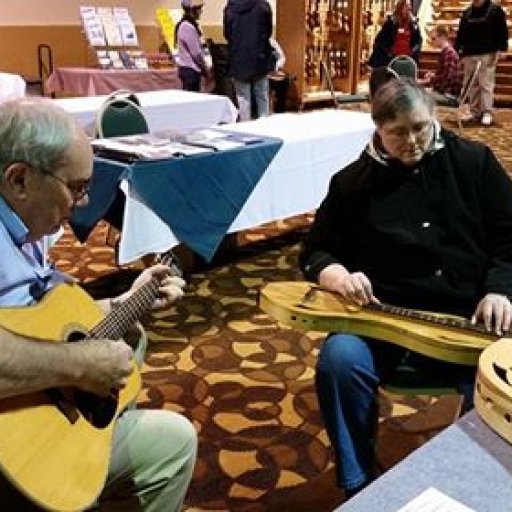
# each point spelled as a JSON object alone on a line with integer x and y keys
{"x": 354, "y": 287}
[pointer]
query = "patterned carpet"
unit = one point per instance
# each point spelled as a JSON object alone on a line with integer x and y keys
{"x": 245, "y": 382}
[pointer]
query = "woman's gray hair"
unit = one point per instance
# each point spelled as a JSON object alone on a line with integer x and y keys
{"x": 34, "y": 131}
{"x": 396, "y": 96}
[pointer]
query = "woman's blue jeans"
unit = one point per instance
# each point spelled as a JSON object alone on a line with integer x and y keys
{"x": 349, "y": 371}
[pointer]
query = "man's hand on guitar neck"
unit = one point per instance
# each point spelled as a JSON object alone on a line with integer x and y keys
{"x": 354, "y": 287}
{"x": 495, "y": 311}
{"x": 170, "y": 289}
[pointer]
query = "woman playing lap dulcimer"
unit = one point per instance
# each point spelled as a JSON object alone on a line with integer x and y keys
{"x": 421, "y": 220}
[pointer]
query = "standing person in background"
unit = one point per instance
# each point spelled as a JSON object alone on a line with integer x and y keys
{"x": 446, "y": 82}
{"x": 192, "y": 63}
{"x": 400, "y": 35}
{"x": 482, "y": 36}
{"x": 279, "y": 81}
{"x": 248, "y": 29}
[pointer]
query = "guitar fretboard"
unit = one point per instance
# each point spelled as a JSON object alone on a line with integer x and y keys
{"x": 124, "y": 315}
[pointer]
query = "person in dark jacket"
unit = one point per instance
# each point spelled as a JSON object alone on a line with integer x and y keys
{"x": 482, "y": 36}
{"x": 400, "y": 35}
{"x": 422, "y": 220}
{"x": 248, "y": 29}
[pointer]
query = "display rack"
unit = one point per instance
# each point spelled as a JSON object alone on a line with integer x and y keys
{"x": 111, "y": 34}
{"x": 342, "y": 34}
{"x": 339, "y": 32}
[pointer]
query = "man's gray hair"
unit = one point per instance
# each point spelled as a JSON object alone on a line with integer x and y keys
{"x": 396, "y": 96}
{"x": 34, "y": 131}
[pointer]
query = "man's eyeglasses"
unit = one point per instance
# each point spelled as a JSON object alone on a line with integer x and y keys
{"x": 78, "y": 192}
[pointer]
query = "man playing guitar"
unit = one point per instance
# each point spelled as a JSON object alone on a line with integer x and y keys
{"x": 45, "y": 170}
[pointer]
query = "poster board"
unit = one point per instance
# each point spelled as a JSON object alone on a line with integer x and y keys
{"x": 110, "y": 31}
{"x": 167, "y": 20}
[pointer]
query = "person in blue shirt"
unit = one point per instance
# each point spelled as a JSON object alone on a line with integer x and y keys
{"x": 45, "y": 169}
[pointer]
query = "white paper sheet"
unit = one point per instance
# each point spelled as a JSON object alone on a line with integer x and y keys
{"x": 433, "y": 500}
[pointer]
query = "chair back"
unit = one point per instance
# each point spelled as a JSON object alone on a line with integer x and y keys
{"x": 379, "y": 76}
{"x": 120, "y": 115}
{"x": 404, "y": 66}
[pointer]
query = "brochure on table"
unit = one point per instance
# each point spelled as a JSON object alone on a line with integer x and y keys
{"x": 166, "y": 144}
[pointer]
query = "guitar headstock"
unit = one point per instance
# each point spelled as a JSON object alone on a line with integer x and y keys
{"x": 170, "y": 259}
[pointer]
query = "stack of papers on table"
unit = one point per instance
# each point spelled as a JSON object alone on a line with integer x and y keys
{"x": 144, "y": 147}
{"x": 209, "y": 138}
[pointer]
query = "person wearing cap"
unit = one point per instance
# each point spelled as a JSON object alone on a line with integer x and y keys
{"x": 248, "y": 29}
{"x": 191, "y": 59}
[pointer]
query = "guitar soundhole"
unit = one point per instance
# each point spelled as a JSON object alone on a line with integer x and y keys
{"x": 97, "y": 410}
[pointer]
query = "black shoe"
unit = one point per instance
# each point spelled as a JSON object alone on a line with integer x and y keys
{"x": 349, "y": 493}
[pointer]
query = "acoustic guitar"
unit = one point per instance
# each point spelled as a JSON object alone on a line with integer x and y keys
{"x": 307, "y": 307}
{"x": 55, "y": 445}
{"x": 493, "y": 389}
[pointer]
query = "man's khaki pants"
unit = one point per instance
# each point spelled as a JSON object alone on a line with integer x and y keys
{"x": 481, "y": 94}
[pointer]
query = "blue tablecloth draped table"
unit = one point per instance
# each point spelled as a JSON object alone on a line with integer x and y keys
{"x": 198, "y": 196}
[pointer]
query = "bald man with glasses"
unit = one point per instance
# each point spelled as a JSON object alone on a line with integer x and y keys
{"x": 45, "y": 169}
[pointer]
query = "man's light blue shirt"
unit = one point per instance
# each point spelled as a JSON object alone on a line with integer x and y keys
{"x": 25, "y": 273}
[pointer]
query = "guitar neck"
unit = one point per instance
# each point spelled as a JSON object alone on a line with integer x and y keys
{"x": 125, "y": 314}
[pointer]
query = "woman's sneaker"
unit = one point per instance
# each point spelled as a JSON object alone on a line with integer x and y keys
{"x": 486, "y": 119}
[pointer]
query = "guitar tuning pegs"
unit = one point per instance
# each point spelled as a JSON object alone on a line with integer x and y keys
{"x": 170, "y": 259}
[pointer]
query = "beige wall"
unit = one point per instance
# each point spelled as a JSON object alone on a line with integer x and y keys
{"x": 65, "y": 12}
{"x": 24, "y": 24}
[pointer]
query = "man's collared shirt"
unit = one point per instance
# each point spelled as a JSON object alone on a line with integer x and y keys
{"x": 25, "y": 274}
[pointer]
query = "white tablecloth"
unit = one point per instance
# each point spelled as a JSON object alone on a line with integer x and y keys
{"x": 167, "y": 109}
{"x": 11, "y": 86}
{"x": 316, "y": 145}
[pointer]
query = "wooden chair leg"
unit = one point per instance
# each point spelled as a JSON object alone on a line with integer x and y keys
{"x": 459, "y": 122}
{"x": 112, "y": 236}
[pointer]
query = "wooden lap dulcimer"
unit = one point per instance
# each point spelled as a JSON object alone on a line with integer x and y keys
{"x": 493, "y": 389}
{"x": 307, "y": 307}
